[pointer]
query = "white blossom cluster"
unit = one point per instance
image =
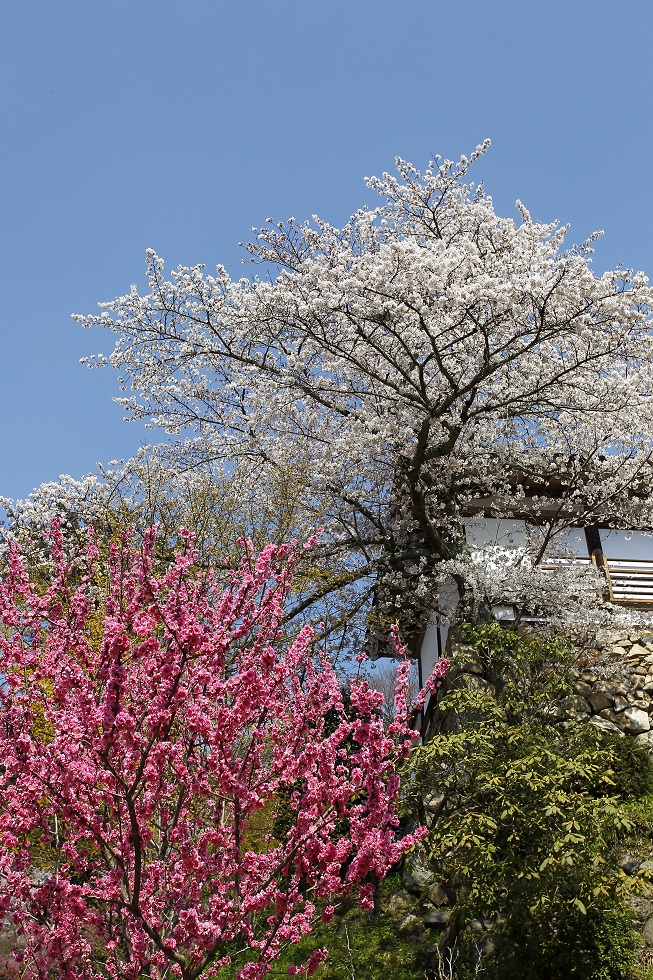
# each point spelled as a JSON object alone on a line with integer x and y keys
{"x": 144, "y": 491}
{"x": 428, "y": 354}
{"x": 79, "y": 501}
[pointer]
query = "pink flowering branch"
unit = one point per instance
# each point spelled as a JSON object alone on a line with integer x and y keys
{"x": 142, "y": 732}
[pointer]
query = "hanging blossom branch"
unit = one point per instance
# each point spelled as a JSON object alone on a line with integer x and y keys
{"x": 179, "y": 790}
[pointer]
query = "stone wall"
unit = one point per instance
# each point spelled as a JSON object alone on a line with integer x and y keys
{"x": 614, "y": 687}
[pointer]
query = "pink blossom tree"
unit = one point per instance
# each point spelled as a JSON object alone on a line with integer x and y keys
{"x": 143, "y": 732}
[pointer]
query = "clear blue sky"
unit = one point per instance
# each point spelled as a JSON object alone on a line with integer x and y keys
{"x": 179, "y": 126}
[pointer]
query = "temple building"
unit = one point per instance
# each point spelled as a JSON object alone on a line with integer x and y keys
{"x": 623, "y": 558}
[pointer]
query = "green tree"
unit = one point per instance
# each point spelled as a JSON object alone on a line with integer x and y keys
{"x": 525, "y": 817}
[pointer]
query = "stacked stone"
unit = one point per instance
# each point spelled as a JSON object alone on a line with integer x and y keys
{"x": 423, "y": 904}
{"x": 615, "y": 691}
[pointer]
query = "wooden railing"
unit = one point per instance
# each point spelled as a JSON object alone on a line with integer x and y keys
{"x": 628, "y": 581}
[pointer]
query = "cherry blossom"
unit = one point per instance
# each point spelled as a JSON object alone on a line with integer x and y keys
{"x": 428, "y": 354}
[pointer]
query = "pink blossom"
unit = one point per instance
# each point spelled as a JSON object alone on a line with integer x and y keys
{"x": 136, "y": 765}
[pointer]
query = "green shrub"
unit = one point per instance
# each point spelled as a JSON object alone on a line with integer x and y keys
{"x": 526, "y": 818}
{"x": 632, "y": 767}
{"x": 367, "y": 946}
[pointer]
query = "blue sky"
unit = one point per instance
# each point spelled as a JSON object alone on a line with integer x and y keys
{"x": 179, "y": 126}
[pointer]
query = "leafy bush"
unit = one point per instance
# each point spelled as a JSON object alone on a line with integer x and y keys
{"x": 366, "y": 945}
{"x": 525, "y": 817}
{"x": 632, "y": 767}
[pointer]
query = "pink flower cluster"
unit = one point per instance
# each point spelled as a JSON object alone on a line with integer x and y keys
{"x": 142, "y": 733}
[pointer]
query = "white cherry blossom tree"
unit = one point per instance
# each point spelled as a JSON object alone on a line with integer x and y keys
{"x": 426, "y": 356}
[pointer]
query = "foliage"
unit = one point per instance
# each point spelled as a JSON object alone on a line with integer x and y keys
{"x": 140, "y": 775}
{"x": 632, "y": 769}
{"x": 530, "y": 671}
{"x": 525, "y": 817}
{"x": 366, "y": 944}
